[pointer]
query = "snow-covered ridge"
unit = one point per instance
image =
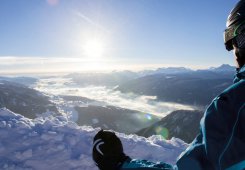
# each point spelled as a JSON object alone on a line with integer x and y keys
{"x": 55, "y": 143}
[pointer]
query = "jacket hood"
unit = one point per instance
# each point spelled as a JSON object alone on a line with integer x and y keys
{"x": 240, "y": 75}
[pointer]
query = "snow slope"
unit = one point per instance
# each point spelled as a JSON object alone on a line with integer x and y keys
{"x": 54, "y": 143}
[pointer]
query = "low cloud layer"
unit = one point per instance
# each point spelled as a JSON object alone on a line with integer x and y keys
{"x": 108, "y": 96}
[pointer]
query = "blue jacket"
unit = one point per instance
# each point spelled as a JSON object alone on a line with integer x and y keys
{"x": 221, "y": 142}
{"x": 134, "y": 164}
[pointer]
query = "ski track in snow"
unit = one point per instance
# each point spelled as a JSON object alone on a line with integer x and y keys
{"x": 52, "y": 143}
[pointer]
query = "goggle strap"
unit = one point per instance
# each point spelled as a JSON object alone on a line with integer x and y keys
{"x": 239, "y": 27}
{"x": 239, "y": 41}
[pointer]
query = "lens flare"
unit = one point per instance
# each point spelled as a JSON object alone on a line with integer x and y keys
{"x": 162, "y": 131}
{"x": 148, "y": 117}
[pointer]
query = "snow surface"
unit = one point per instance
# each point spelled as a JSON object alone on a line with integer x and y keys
{"x": 52, "y": 143}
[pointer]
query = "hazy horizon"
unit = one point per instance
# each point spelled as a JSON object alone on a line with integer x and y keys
{"x": 32, "y": 66}
{"x": 102, "y": 35}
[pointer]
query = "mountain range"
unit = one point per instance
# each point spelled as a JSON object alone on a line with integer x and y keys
{"x": 115, "y": 118}
{"x": 177, "y": 85}
{"x": 102, "y": 79}
{"x": 189, "y": 87}
{"x": 99, "y": 114}
{"x": 182, "y": 124}
{"x": 23, "y": 100}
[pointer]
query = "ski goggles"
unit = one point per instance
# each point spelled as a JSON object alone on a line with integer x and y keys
{"x": 235, "y": 36}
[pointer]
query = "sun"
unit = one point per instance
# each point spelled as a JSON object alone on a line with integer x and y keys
{"x": 94, "y": 49}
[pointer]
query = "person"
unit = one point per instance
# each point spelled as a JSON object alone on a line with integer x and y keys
{"x": 220, "y": 145}
{"x": 221, "y": 142}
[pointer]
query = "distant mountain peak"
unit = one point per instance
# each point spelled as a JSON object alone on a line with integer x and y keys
{"x": 174, "y": 69}
{"x": 223, "y": 67}
{"x": 171, "y": 70}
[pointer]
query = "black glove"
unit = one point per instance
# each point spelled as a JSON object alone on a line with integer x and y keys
{"x": 108, "y": 151}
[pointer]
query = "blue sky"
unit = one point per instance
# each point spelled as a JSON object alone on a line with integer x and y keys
{"x": 112, "y": 33}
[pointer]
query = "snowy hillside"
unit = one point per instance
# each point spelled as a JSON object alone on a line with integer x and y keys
{"x": 53, "y": 143}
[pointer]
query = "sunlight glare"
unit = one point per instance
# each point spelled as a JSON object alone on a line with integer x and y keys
{"x": 94, "y": 49}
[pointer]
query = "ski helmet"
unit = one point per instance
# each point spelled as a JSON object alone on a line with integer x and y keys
{"x": 235, "y": 24}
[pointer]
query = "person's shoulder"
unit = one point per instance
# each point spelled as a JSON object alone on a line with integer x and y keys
{"x": 233, "y": 96}
{"x": 236, "y": 88}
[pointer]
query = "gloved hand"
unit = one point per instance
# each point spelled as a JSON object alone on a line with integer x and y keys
{"x": 108, "y": 151}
